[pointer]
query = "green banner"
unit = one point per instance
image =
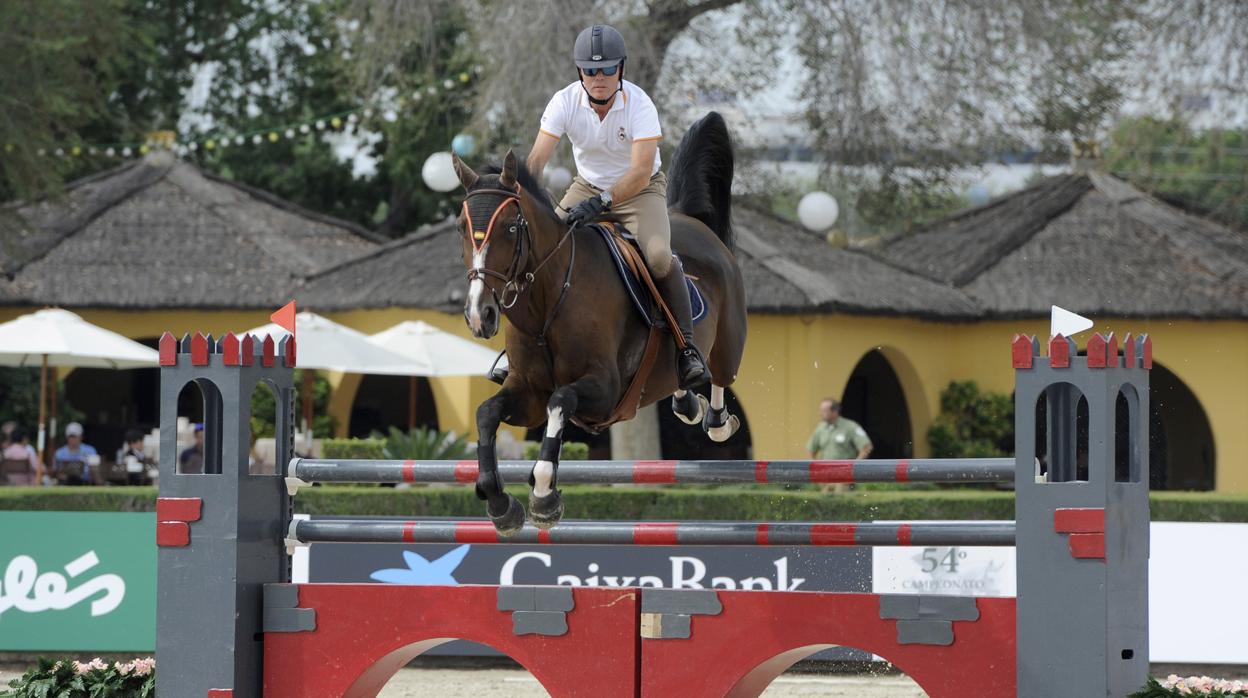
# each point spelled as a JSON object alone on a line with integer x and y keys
{"x": 77, "y": 581}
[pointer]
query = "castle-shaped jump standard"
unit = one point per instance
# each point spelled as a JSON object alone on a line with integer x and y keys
{"x": 1079, "y": 624}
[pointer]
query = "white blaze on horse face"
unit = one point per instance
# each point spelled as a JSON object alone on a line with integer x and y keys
{"x": 544, "y": 470}
{"x": 475, "y": 289}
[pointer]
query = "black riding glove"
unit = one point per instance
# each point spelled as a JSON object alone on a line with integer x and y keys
{"x": 587, "y": 210}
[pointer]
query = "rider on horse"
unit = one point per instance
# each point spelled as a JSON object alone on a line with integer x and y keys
{"x": 614, "y": 129}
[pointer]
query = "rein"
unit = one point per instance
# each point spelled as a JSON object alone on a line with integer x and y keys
{"x": 515, "y": 281}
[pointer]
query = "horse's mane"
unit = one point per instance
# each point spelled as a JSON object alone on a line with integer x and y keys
{"x": 530, "y": 184}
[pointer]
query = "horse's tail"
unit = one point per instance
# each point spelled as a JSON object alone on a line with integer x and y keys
{"x": 700, "y": 177}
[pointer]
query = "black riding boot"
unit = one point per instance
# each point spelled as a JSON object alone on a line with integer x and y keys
{"x": 691, "y": 370}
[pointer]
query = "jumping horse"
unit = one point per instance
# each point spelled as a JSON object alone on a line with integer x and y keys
{"x": 575, "y": 341}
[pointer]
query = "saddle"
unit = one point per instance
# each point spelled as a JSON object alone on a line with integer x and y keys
{"x": 650, "y": 304}
{"x": 631, "y": 267}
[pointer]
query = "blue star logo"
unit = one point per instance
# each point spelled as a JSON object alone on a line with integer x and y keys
{"x": 422, "y": 571}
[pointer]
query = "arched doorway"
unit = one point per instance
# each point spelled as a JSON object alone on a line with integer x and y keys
{"x": 680, "y": 441}
{"x": 874, "y": 398}
{"x": 382, "y": 402}
{"x": 1182, "y": 454}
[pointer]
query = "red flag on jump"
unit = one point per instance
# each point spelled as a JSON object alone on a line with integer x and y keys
{"x": 285, "y": 318}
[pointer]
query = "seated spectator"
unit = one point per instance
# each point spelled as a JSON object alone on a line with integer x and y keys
{"x": 192, "y": 459}
{"x": 73, "y": 462}
{"x": 19, "y": 450}
{"x": 134, "y": 459}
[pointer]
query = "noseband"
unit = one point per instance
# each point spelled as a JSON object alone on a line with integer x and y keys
{"x": 515, "y": 281}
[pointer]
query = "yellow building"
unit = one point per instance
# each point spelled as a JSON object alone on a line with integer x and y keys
{"x": 885, "y": 329}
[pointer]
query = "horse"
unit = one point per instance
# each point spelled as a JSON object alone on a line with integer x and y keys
{"x": 573, "y": 338}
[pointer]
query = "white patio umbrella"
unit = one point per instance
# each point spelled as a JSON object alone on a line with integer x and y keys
{"x": 327, "y": 345}
{"x": 437, "y": 352}
{"x": 55, "y": 337}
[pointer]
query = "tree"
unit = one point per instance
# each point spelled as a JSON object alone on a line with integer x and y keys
{"x": 51, "y": 86}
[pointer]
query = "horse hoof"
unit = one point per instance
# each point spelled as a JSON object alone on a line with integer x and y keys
{"x": 511, "y": 521}
{"x": 719, "y": 425}
{"x": 691, "y": 402}
{"x": 546, "y": 511}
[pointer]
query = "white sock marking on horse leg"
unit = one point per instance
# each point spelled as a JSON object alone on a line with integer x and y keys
{"x": 679, "y": 394}
{"x": 545, "y": 470}
{"x": 721, "y": 434}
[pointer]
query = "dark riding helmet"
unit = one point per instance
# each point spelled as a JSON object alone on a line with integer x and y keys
{"x": 599, "y": 46}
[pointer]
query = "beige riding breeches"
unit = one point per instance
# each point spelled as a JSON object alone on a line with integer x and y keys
{"x": 645, "y": 215}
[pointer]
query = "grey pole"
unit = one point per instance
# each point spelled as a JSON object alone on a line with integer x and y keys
{"x": 310, "y": 470}
{"x": 348, "y": 530}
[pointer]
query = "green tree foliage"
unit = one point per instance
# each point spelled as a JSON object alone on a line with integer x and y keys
{"x": 19, "y": 400}
{"x": 264, "y": 408}
{"x": 54, "y": 58}
{"x": 972, "y": 424}
{"x": 1203, "y": 170}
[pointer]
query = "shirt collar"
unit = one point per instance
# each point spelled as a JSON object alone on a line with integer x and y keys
{"x": 616, "y": 105}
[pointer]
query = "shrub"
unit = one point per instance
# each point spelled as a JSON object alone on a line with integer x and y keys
{"x": 571, "y": 450}
{"x": 972, "y": 424}
{"x": 366, "y": 449}
{"x": 67, "y": 678}
{"x": 422, "y": 444}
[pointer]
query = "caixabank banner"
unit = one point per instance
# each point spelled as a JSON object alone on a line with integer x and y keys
{"x": 77, "y": 581}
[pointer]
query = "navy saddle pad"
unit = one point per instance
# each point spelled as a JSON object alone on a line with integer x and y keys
{"x": 639, "y": 295}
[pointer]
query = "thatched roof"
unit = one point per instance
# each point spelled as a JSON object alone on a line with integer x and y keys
{"x": 786, "y": 270}
{"x": 424, "y": 269}
{"x": 1091, "y": 243}
{"x": 160, "y": 233}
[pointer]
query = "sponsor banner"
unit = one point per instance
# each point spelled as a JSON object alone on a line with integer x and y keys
{"x": 947, "y": 570}
{"x": 77, "y": 581}
{"x": 673, "y": 567}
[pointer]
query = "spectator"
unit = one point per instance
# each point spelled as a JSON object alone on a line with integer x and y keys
{"x": 134, "y": 459}
{"x": 73, "y": 462}
{"x": 837, "y": 437}
{"x": 192, "y": 459}
{"x": 19, "y": 449}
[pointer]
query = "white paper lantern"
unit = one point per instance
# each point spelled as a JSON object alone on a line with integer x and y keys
{"x": 559, "y": 179}
{"x": 817, "y": 211}
{"x": 439, "y": 172}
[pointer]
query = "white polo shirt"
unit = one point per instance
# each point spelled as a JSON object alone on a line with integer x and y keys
{"x": 603, "y": 148}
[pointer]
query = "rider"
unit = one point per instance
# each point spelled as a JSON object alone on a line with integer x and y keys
{"x": 614, "y": 129}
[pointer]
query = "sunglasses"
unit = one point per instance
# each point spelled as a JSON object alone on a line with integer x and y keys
{"x": 609, "y": 70}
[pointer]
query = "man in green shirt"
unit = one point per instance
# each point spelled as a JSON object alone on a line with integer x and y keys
{"x": 837, "y": 437}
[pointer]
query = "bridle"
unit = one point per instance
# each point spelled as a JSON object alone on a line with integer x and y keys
{"x": 516, "y": 280}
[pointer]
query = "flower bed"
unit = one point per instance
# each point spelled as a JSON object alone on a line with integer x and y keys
{"x": 1175, "y": 686}
{"x": 94, "y": 679}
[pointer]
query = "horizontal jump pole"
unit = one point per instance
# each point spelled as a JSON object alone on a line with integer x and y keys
{"x": 647, "y": 533}
{"x": 704, "y": 472}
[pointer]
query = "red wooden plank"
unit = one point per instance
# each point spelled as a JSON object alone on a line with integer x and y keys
{"x": 247, "y": 350}
{"x": 179, "y": 508}
{"x": 220, "y": 693}
{"x": 1059, "y": 352}
{"x": 1090, "y": 520}
{"x": 173, "y": 534}
{"x": 168, "y": 350}
{"x": 269, "y": 352}
{"x": 1087, "y": 546}
{"x": 1096, "y": 351}
{"x": 1021, "y": 350}
{"x": 199, "y": 350}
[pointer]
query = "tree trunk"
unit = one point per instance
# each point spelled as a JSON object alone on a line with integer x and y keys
{"x": 638, "y": 438}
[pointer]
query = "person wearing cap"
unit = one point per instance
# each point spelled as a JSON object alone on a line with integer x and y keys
{"x": 192, "y": 459}
{"x": 72, "y": 463}
{"x": 614, "y": 129}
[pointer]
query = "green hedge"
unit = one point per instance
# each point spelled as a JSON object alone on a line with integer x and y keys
{"x": 661, "y": 503}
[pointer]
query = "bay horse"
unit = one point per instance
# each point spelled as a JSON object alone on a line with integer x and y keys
{"x": 574, "y": 339}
